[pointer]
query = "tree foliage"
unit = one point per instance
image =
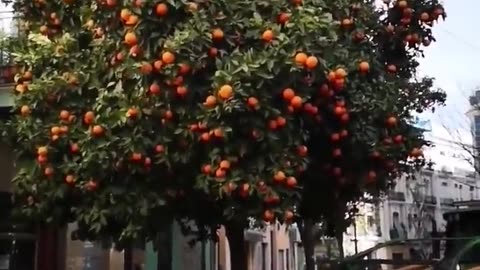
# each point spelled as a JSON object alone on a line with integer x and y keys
{"x": 131, "y": 113}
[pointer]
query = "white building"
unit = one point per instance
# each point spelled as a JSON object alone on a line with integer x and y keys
{"x": 415, "y": 207}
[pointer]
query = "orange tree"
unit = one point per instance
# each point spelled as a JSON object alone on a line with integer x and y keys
{"x": 360, "y": 133}
{"x": 131, "y": 113}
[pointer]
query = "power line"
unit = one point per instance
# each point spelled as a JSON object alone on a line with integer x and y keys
{"x": 460, "y": 39}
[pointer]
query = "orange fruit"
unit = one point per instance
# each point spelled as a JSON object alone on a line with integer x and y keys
{"x": 218, "y": 132}
{"x": 267, "y": 36}
{"x": 402, "y": 4}
{"x": 132, "y": 20}
{"x": 69, "y": 179}
{"x": 42, "y": 151}
{"x": 146, "y": 68}
{"x": 131, "y": 113}
{"x": 297, "y": 2}
{"x": 161, "y": 9}
{"x": 225, "y": 164}
{"x": 89, "y": 117}
{"x": 291, "y": 182}
{"x": 111, "y": 3}
{"x": 296, "y": 102}
{"x": 21, "y": 88}
{"x": 288, "y": 215}
{"x": 27, "y": 75}
{"x": 207, "y": 169}
{"x": 131, "y": 39}
{"x": 283, "y": 18}
{"x": 272, "y": 124}
{"x": 288, "y": 94}
{"x": 48, "y": 171}
{"x": 154, "y": 88}
{"x": 210, "y": 101}
{"x": 219, "y": 173}
{"x": 392, "y": 68}
{"x": 125, "y": 14}
{"x": 225, "y": 92}
{"x": 301, "y": 59}
{"x": 268, "y": 215}
{"x": 25, "y": 110}
{"x": 391, "y": 121}
{"x": 182, "y": 90}
{"x": 184, "y": 68}
{"x": 168, "y": 114}
{"x": 217, "y": 34}
{"x": 302, "y": 150}
{"x": 205, "y": 137}
{"x": 97, "y": 130}
{"x": 311, "y": 62}
{"x": 424, "y": 17}
{"x": 168, "y": 58}
{"x": 340, "y": 73}
{"x": 335, "y": 137}
{"x": 157, "y": 65}
{"x": 159, "y": 148}
{"x": 279, "y": 176}
{"x": 44, "y": 29}
{"x": 347, "y": 23}
{"x": 74, "y": 148}
{"x": 252, "y": 102}
{"x": 281, "y": 121}
{"x": 55, "y": 130}
{"x": 364, "y": 67}
{"x": 136, "y": 156}
{"x": 213, "y": 52}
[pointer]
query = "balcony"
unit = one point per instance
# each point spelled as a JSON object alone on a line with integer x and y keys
{"x": 8, "y": 27}
{"x": 446, "y": 202}
{"x": 396, "y": 196}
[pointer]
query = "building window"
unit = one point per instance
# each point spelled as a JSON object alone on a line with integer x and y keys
{"x": 460, "y": 187}
{"x": 287, "y": 255}
{"x": 455, "y": 185}
{"x": 281, "y": 261}
{"x": 472, "y": 188}
{"x": 444, "y": 184}
{"x": 264, "y": 256}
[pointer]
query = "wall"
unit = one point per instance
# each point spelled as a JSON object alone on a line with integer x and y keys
{"x": 6, "y": 167}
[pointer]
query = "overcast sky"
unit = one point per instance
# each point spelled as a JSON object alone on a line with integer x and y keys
{"x": 454, "y": 61}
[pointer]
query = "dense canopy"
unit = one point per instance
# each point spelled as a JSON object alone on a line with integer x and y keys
{"x": 129, "y": 113}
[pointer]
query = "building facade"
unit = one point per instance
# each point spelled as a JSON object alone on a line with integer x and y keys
{"x": 414, "y": 208}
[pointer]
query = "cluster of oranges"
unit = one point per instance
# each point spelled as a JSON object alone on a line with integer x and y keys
{"x": 220, "y": 172}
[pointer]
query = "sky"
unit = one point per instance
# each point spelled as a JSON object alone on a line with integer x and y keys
{"x": 453, "y": 60}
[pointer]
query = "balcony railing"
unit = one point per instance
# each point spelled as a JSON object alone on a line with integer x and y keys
{"x": 446, "y": 202}
{"x": 396, "y": 196}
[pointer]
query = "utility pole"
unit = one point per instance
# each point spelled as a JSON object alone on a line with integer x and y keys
{"x": 355, "y": 240}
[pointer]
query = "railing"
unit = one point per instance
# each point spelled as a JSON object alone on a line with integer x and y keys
{"x": 411, "y": 253}
{"x": 446, "y": 202}
{"x": 396, "y": 196}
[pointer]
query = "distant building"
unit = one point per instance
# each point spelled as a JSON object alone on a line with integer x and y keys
{"x": 451, "y": 178}
{"x": 474, "y": 116}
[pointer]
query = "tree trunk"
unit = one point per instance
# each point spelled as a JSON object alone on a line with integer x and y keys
{"x": 128, "y": 259}
{"x": 164, "y": 247}
{"x": 306, "y": 233}
{"x": 339, "y": 238}
{"x": 238, "y": 249}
